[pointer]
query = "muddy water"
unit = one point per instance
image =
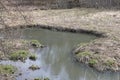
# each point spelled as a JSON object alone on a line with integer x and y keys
{"x": 55, "y": 60}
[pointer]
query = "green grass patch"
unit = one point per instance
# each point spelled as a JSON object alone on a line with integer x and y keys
{"x": 35, "y": 43}
{"x": 7, "y": 69}
{"x": 83, "y": 44}
{"x": 109, "y": 62}
{"x": 41, "y": 79}
{"x": 83, "y": 54}
{"x": 33, "y": 57}
{"x": 34, "y": 67}
{"x": 37, "y": 79}
{"x": 46, "y": 79}
{"x": 19, "y": 55}
{"x": 93, "y": 61}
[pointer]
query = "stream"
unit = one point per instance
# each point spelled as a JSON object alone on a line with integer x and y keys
{"x": 56, "y": 61}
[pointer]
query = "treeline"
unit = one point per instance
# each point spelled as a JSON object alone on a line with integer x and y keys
{"x": 90, "y": 3}
{"x": 100, "y": 3}
{"x": 74, "y": 3}
{"x": 67, "y": 3}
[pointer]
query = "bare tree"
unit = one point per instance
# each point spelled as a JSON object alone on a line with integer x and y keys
{"x": 8, "y": 33}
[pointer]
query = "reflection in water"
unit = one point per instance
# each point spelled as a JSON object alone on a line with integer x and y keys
{"x": 55, "y": 60}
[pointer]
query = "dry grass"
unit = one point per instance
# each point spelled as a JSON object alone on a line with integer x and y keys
{"x": 107, "y": 21}
{"x": 99, "y": 20}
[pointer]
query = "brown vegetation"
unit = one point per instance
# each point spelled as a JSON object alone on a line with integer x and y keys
{"x": 58, "y": 4}
{"x": 105, "y": 21}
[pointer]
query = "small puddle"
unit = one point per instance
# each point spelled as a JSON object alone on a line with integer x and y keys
{"x": 55, "y": 60}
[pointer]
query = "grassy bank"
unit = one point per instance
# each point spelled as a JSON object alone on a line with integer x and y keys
{"x": 15, "y": 50}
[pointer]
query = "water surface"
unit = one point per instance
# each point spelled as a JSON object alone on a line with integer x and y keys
{"x": 56, "y": 61}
